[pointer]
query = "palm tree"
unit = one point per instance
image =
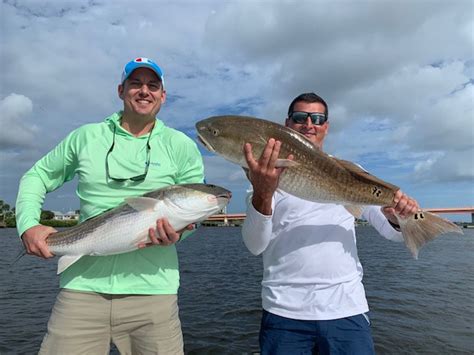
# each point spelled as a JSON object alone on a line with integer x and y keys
{"x": 2, "y": 204}
{"x": 4, "y": 207}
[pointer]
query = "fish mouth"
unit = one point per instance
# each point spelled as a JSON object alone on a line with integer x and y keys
{"x": 227, "y": 195}
{"x": 221, "y": 198}
{"x": 205, "y": 143}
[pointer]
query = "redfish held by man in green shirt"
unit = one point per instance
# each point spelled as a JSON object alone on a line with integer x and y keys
{"x": 314, "y": 175}
{"x": 124, "y": 228}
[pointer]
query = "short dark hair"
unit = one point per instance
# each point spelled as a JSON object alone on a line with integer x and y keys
{"x": 308, "y": 97}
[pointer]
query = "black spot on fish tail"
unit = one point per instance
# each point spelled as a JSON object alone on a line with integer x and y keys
{"x": 418, "y": 216}
{"x": 423, "y": 227}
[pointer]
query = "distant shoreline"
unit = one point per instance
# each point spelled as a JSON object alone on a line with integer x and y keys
{"x": 68, "y": 224}
{"x": 46, "y": 222}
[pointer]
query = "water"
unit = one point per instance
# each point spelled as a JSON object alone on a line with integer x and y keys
{"x": 423, "y": 306}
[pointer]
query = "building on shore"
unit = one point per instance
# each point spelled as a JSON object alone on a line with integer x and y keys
{"x": 71, "y": 215}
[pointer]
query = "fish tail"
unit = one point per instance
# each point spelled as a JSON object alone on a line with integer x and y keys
{"x": 420, "y": 228}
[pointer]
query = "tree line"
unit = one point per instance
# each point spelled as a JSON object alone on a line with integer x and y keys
{"x": 7, "y": 217}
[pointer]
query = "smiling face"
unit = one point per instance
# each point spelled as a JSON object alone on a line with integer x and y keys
{"x": 142, "y": 94}
{"x": 315, "y": 133}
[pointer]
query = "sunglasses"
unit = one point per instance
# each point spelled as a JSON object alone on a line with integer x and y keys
{"x": 140, "y": 177}
{"x": 301, "y": 117}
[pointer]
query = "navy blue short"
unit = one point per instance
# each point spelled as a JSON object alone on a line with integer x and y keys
{"x": 280, "y": 335}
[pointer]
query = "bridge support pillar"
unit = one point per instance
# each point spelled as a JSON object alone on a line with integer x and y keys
{"x": 226, "y": 220}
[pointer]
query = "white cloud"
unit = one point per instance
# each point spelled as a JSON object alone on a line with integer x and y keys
{"x": 446, "y": 167}
{"x": 17, "y": 131}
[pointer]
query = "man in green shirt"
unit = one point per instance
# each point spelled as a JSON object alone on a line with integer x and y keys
{"x": 129, "y": 299}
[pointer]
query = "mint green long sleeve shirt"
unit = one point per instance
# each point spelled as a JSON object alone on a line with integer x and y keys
{"x": 174, "y": 159}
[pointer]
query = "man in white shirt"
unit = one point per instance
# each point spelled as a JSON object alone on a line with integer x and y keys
{"x": 312, "y": 293}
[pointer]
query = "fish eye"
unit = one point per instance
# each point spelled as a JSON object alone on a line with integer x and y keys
{"x": 215, "y": 132}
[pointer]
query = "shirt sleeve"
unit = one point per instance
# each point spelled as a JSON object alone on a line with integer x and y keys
{"x": 257, "y": 228}
{"x": 377, "y": 219}
{"x": 48, "y": 174}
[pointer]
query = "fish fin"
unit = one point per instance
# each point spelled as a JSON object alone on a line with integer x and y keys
{"x": 67, "y": 260}
{"x": 420, "y": 228}
{"x": 355, "y": 210}
{"x": 362, "y": 174}
{"x": 281, "y": 163}
{"x": 140, "y": 243}
{"x": 18, "y": 257}
{"x": 141, "y": 203}
{"x": 286, "y": 163}
{"x": 352, "y": 167}
{"x": 142, "y": 237}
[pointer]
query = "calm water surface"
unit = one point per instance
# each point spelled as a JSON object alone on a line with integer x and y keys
{"x": 423, "y": 306}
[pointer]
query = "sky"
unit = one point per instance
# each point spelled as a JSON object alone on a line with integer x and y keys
{"x": 397, "y": 75}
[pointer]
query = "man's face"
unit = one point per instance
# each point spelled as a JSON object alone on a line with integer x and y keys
{"x": 315, "y": 133}
{"x": 142, "y": 93}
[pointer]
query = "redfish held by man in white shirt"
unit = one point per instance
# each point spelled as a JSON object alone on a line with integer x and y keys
{"x": 314, "y": 175}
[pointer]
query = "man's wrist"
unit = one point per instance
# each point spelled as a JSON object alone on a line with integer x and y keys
{"x": 394, "y": 225}
{"x": 262, "y": 205}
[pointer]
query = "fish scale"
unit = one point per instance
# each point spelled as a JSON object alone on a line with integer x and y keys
{"x": 109, "y": 237}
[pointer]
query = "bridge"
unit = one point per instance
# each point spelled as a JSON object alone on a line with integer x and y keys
{"x": 453, "y": 210}
{"x": 228, "y": 219}
{"x": 238, "y": 218}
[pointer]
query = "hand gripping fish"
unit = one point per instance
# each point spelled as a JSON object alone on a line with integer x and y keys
{"x": 121, "y": 229}
{"x": 314, "y": 175}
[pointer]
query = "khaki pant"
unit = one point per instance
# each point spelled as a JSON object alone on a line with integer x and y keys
{"x": 87, "y": 322}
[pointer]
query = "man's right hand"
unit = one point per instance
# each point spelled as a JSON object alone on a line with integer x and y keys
{"x": 34, "y": 240}
{"x": 263, "y": 174}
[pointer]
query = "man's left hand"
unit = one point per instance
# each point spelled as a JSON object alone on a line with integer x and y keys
{"x": 164, "y": 234}
{"x": 404, "y": 206}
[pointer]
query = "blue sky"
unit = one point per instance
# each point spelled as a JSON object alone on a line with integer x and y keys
{"x": 398, "y": 77}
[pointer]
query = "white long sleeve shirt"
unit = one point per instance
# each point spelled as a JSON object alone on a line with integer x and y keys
{"x": 310, "y": 262}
